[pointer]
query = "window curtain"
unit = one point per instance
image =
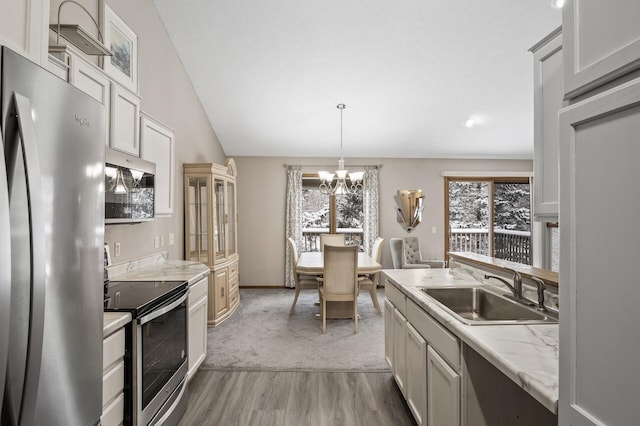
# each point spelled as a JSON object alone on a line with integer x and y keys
{"x": 293, "y": 224}
{"x": 370, "y": 208}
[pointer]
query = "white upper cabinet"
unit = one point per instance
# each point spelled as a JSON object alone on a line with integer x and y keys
{"x": 91, "y": 80}
{"x": 157, "y": 145}
{"x": 24, "y": 28}
{"x": 125, "y": 120}
{"x": 601, "y": 40}
{"x": 547, "y": 97}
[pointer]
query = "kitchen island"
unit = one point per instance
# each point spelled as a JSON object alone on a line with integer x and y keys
{"x": 476, "y": 359}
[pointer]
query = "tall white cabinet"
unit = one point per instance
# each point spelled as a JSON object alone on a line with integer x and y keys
{"x": 599, "y": 151}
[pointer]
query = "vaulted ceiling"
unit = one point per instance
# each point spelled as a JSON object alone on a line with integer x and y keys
{"x": 270, "y": 73}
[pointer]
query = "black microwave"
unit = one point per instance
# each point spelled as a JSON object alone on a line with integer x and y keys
{"x": 129, "y": 188}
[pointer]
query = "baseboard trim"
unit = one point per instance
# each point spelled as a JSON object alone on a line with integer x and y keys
{"x": 267, "y": 287}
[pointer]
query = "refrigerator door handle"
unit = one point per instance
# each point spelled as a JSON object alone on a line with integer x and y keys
{"x": 33, "y": 177}
{"x": 5, "y": 270}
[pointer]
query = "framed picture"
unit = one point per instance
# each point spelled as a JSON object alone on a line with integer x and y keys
{"x": 123, "y": 42}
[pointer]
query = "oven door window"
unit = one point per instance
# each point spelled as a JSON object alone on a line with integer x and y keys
{"x": 164, "y": 350}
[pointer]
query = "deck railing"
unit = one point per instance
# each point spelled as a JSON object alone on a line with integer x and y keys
{"x": 509, "y": 245}
{"x": 311, "y": 237}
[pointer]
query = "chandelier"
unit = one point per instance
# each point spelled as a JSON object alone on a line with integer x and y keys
{"x": 340, "y": 187}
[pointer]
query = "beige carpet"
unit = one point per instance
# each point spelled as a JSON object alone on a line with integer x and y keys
{"x": 262, "y": 336}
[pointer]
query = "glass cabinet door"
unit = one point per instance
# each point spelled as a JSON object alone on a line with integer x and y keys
{"x": 219, "y": 222}
{"x": 231, "y": 217}
{"x": 198, "y": 247}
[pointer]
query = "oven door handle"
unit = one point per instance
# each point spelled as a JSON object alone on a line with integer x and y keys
{"x": 163, "y": 310}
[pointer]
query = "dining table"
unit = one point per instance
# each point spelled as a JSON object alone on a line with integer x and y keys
{"x": 312, "y": 263}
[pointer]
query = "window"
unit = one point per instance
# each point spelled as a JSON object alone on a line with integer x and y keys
{"x": 322, "y": 213}
{"x": 552, "y": 252}
{"x": 489, "y": 216}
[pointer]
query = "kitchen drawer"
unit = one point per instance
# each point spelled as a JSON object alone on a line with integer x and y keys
{"x": 112, "y": 348}
{"x": 198, "y": 289}
{"x": 233, "y": 283}
{"x": 233, "y": 270}
{"x": 114, "y": 413}
{"x": 396, "y": 297}
{"x": 445, "y": 343}
{"x": 233, "y": 298}
{"x": 112, "y": 383}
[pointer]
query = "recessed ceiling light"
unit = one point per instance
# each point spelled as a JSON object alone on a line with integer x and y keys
{"x": 557, "y": 4}
{"x": 471, "y": 121}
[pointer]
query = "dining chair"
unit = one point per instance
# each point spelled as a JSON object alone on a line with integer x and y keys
{"x": 406, "y": 254}
{"x": 307, "y": 282}
{"x": 331, "y": 239}
{"x": 339, "y": 282}
{"x": 370, "y": 282}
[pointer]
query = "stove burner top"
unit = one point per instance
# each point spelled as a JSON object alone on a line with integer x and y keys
{"x": 139, "y": 297}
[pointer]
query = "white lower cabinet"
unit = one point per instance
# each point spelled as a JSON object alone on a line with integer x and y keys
{"x": 388, "y": 333}
{"x": 113, "y": 379}
{"x": 425, "y": 359}
{"x": 417, "y": 377}
{"x": 443, "y": 391}
{"x": 197, "y": 336}
{"x": 400, "y": 350}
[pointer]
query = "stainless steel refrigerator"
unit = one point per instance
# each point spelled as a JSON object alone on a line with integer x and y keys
{"x": 51, "y": 248}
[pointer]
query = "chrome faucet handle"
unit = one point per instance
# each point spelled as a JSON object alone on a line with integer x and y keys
{"x": 503, "y": 281}
{"x": 541, "y": 286}
{"x": 516, "y": 289}
{"x": 517, "y": 279}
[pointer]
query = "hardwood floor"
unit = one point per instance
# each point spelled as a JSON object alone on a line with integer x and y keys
{"x": 294, "y": 398}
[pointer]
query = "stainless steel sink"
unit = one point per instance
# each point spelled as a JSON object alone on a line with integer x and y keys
{"x": 479, "y": 306}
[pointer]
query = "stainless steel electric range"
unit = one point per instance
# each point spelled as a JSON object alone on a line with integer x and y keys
{"x": 156, "y": 355}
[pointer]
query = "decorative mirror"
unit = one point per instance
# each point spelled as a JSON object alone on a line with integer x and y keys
{"x": 409, "y": 208}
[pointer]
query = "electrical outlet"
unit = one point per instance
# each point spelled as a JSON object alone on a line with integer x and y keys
{"x": 172, "y": 239}
{"x": 156, "y": 242}
{"x": 161, "y": 240}
{"x": 117, "y": 249}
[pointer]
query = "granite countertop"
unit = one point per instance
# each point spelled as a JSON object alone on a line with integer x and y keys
{"x": 113, "y": 321}
{"x": 158, "y": 268}
{"x": 527, "y": 354}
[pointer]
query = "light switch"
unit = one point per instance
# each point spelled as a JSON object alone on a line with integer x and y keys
{"x": 434, "y": 230}
{"x": 156, "y": 242}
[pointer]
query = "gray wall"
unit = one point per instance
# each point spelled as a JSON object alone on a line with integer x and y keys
{"x": 261, "y": 206}
{"x": 167, "y": 95}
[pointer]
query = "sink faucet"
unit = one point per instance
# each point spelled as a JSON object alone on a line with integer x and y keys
{"x": 541, "y": 286}
{"x": 516, "y": 288}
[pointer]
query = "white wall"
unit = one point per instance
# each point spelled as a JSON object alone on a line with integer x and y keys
{"x": 167, "y": 95}
{"x": 261, "y": 206}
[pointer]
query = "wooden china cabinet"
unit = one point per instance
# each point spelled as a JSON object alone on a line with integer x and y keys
{"x": 210, "y": 217}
